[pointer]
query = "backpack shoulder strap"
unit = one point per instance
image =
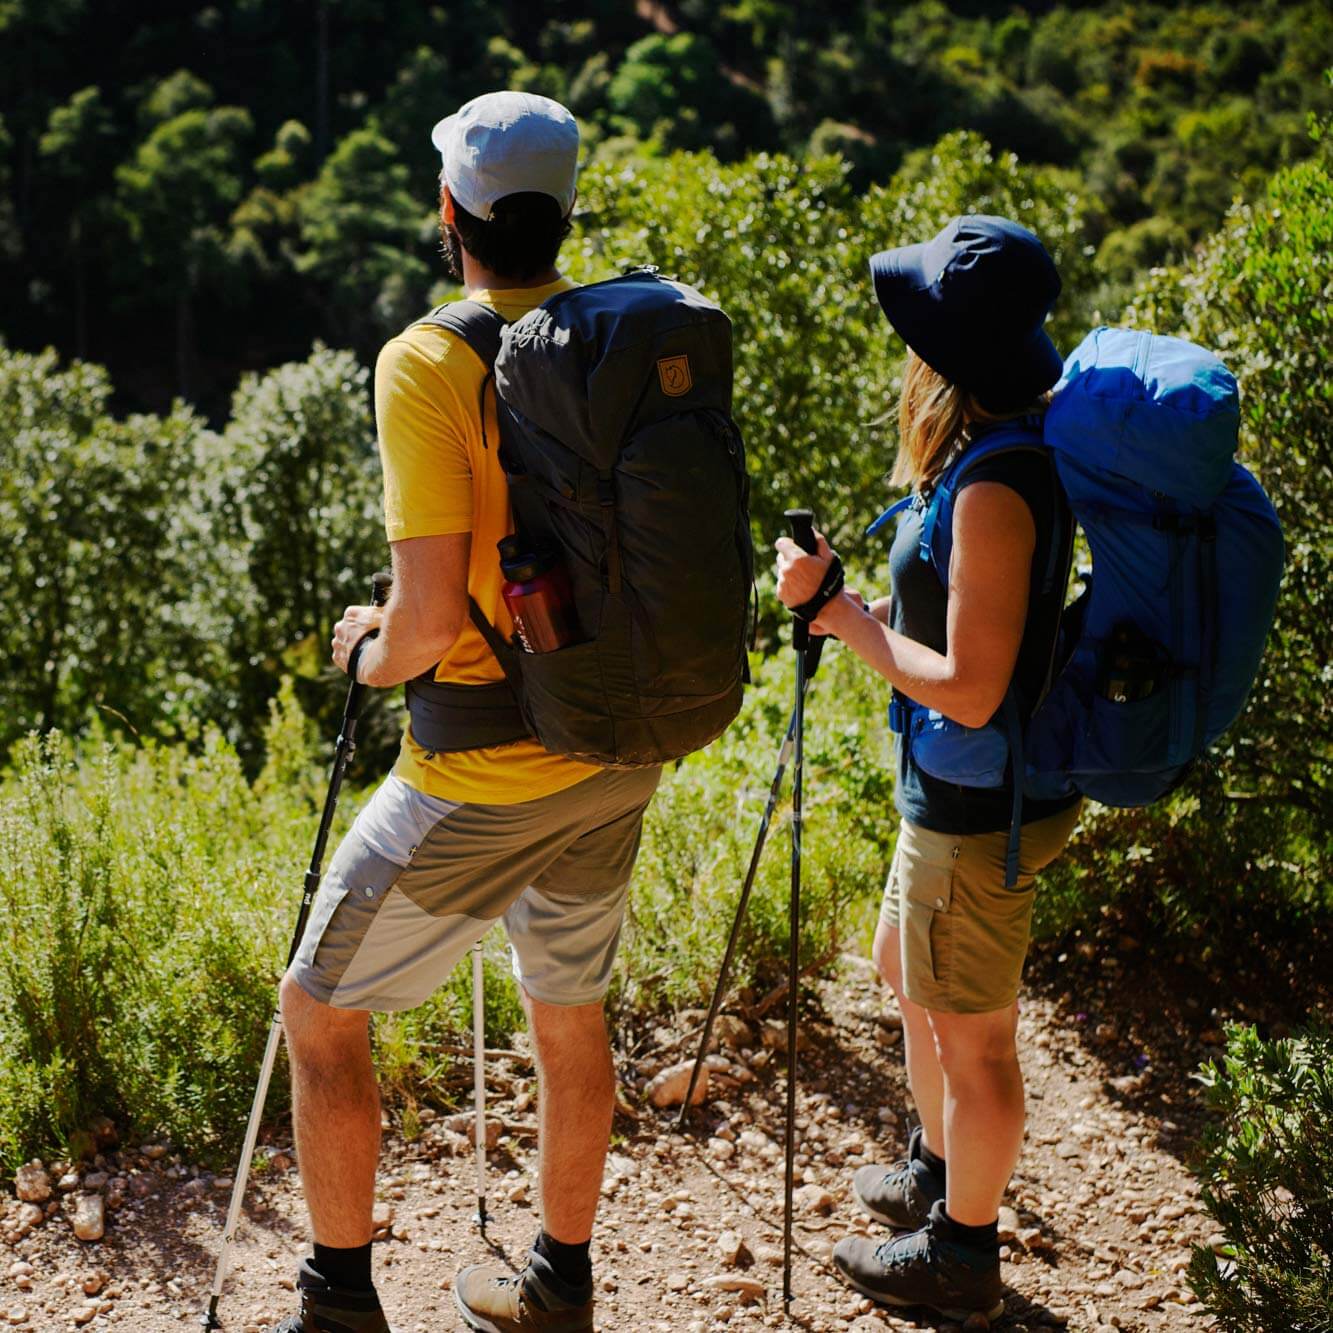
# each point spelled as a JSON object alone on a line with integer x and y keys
{"x": 937, "y": 524}
{"x": 477, "y": 325}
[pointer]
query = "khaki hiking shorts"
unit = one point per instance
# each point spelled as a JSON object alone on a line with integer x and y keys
{"x": 963, "y": 935}
{"x": 418, "y": 881}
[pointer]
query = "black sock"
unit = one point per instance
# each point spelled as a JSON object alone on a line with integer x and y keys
{"x": 572, "y": 1264}
{"x": 978, "y": 1238}
{"x": 935, "y": 1164}
{"x": 348, "y": 1269}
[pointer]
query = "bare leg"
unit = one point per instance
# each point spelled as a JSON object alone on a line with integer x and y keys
{"x": 576, "y": 1100}
{"x": 923, "y": 1064}
{"x": 335, "y": 1113}
{"x": 983, "y": 1109}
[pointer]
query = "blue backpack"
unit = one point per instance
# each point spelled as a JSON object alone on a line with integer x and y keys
{"x": 1156, "y": 657}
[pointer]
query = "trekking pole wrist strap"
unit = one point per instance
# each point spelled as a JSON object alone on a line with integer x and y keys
{"x": 354, "y": 657}
{"x": 828, "y": 590}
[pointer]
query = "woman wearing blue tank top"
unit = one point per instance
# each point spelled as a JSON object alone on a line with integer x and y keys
{"x": 970, "y": 304}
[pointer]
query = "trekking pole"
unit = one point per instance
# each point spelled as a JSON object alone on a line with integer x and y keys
{"x": 803, "y": 534}
{"x": 343, "y": 751}
{"x": 479, "y": 1079}
{"x": 724, "y": 972}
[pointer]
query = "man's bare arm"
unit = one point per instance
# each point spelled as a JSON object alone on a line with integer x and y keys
{"x": 422, "y": 618}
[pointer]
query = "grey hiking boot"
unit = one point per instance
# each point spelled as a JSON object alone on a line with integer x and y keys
{"x": 494, "y": 1300}
{"x": 900, "y": 1196}
{"x": 326, "y": 1309}
{"x": 925, "y": 1269}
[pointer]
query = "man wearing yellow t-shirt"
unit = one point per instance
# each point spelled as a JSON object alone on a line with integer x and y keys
{"x": 453, "y": 841}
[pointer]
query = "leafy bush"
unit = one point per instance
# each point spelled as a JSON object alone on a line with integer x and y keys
{"x": 1266, "y": 1170}
{"x": 147, "y": 896}
{"x": 702, "y": 825}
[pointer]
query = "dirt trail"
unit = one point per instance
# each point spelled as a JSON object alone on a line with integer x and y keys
{"x": 1104, "y": 1209}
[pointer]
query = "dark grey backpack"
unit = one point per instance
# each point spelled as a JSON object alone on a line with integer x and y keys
{"x": 617, "y": 441}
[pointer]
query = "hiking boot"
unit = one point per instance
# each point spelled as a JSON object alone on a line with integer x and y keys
{"x": 901, "y": 1196}
{"x": 497, "y": 1301}
{"x": 925, "y": 1269}
{"x": 326, "y": 1309}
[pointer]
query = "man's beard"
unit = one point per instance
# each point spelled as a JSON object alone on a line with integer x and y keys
{"x": 452, "y": 250}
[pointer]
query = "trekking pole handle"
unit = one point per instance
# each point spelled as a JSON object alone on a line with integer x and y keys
{"x": 802, "y": 524}
{"x": 381, "y": 583}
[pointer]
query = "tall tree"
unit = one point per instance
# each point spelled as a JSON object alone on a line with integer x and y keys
{"x": 74, "y": 152}
{"x": 176, "y": 194}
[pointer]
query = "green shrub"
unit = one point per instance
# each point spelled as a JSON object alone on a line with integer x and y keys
{"x": 702, "y": 825}
{"x": 1267, "y": 1168}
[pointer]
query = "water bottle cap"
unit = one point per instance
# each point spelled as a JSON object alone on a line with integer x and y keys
{"x": 519, "y": 565}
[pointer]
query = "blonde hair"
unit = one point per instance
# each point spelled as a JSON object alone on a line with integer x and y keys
{"x": 934, "y": 420}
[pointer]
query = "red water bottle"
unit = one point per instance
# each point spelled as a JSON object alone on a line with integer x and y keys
{"x": 537, "y": 593}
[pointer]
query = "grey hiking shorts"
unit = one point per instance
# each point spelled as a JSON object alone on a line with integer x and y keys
{"x": 418, "y": 881}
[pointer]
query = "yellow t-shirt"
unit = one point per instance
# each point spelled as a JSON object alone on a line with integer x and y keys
{"x": 438, "y": 479}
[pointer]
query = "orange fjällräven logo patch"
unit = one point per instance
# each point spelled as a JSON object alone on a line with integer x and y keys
{"x": 674, "y": 373}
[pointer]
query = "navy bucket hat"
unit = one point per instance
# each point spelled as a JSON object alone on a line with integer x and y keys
{"x": 971, "y": 303}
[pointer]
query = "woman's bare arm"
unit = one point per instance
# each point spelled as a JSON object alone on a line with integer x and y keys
{"x": 993, "y": 542}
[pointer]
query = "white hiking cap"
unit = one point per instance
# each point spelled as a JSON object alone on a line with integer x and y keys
{"x": 508, "y": 143}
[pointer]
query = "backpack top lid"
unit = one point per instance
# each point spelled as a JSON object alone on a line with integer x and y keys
{"x": 1156, "y": 410}
{"x": 593, "y": 364}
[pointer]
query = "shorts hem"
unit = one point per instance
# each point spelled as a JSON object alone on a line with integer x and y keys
{"x": 564, "y": 1000}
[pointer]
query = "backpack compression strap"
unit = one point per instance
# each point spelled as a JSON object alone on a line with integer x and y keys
{"x": 447, "y": 717}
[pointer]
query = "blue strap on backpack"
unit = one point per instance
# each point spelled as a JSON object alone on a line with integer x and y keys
{"x": 1187, "y": 556}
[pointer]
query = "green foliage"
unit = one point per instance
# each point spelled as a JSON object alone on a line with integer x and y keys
{"x": 701, "y": 828}
{"x": 673, "y": 91}
{"x": 146, "y": 895}
{"x": 99, "y": 537}
{"x": 140, "y": 944}
{"x": 359, "y": 227}
{"x": 293, "y": 494}
{"x": 1266, "y": 1169}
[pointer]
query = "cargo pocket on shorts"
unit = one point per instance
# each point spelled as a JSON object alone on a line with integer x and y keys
{"x": 928, "y": 923}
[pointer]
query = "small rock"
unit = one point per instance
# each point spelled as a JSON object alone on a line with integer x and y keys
{"x": 1008, "y": 1226}
{"x": 29, "y": 1215}
{"x": 669, "y": 1087}
{"x": 720, "y": 1150}
{"x": 68, "y": 1182}
{"x": 774, "y": 1036}
{"x": 1032, "y": 1240}
{"x": 16, "y": 1314}
{"x": 769, "y": 1254}
{"x": 95, "y": 1180}
{"x": 382, "y": 1217}
{"x": 814, "y": 1199}
{"x": 677, "y": 1281}
{"x": 749, "y": 1287}
{"x": 466, "y": 1125}
{"x": 32, "y": 1184}
{"x": 617, "y": 1164}
{"x": 732, "y": 1250}
{"x": 733, "y": 1032}
{"x": 90, "y": 1218}
{"x": 519, "y": 1194}
{"x": 93, "y": 1283}
{"x": 155, "y": 1152}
